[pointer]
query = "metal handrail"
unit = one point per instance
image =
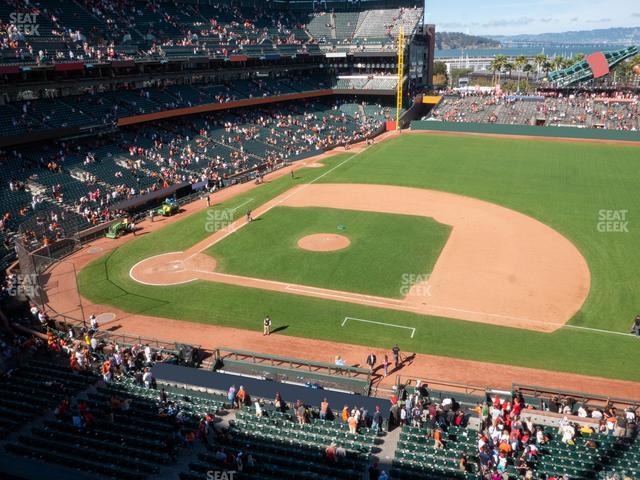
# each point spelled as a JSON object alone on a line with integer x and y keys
{"x": 293, "y": 363}
{"x": 548, "y": 393}
{"x": 433, "y": 383}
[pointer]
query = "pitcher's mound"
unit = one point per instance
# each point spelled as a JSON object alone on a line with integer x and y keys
{"x": 324, "y": 242}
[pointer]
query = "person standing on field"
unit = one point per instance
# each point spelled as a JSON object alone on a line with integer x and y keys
{"x": 396, "y": 355}
{"x": 371, "y": 361}
{"x": 266, "y": 325}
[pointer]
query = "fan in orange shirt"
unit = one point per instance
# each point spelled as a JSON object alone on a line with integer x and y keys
{"x": 241, "y": 396}
{"x": 353, "y": 424}
{"x": 505, "y": 448}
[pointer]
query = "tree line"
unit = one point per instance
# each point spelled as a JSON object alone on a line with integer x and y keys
{"x": 535, "y": 66}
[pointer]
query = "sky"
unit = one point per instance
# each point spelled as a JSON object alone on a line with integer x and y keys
{"x": 512, "y": 17}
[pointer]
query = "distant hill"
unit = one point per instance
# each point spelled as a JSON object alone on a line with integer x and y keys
{"x": 448, "y": 40}
{"x": 619, "y": 36}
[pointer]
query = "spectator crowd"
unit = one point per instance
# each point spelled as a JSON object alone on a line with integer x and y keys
{"x": 613, "y": 111}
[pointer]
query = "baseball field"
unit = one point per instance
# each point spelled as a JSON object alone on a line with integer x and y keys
{"x": 512, "y": 251}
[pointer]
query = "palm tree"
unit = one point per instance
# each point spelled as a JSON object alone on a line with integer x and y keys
{"x": 558, "y": 61}
{"x": 527, "y": 69}
{"x": 625, "y": 69}
{"x": 497, "y": 64}
{"x": 539, "y": 61}
{"x": 520, "y": 62}
{"x": 508, "y": 66}
{"x": 633, "y": 61}
{"x": 634, "y": 66}
{"x": 578, "y": 57}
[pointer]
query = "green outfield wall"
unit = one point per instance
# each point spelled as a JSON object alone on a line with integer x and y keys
{"x": 528, "y": 130}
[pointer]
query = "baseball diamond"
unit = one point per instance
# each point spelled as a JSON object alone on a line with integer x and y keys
{"x": 319, "y": 240}
{"x": 512, "y": 259}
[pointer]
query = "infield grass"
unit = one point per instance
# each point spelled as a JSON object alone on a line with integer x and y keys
{"x": 565, "y": 185}
{"x": 386, "y": 252}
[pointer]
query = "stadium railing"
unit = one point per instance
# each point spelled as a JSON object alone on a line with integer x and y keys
{"x": 545, "y": 394}
{"x": 441, "y": 385}
{"x": 305, "y": 371}
{"x": 529, "y": 392}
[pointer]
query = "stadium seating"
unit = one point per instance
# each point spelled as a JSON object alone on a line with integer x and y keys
{"x": 124, "y": 29}
{"x": 584, "y": 458}
{"x": 582, "y": 111}
{"x": 387, "y": 22}
{"x": 117, "y": 428}
{"x": 416, "y": 456}
{"x": 122, "y": 430}
{"x": 375, "y": 23}
{"x": 346, "y": 24}
{"x": 13, "y": 123}
{"x": 119, "y": 443}
{"x": 287, "y": 450}
{"x": 172, "y": 27}
{"x": 382, "y": 83}
{"x": 369, "y": 82}
{"x": 580, "y": 460}
{"x": 79, "y": 193}
{"x": 34, "y": 389}
{"x": 105, "y": 108}
{"x": 321, "y": 26}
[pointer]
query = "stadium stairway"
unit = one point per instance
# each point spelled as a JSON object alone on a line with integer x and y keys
{"x": 231, "y": 147}
{"x": 387, "y": 450}
{"x": 417, "y": 458}
{"x": 332, "y": 25}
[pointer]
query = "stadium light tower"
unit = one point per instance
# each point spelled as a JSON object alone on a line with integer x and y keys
{"x": 400, "y": 74}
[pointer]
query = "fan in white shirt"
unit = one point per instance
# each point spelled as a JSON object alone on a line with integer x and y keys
{"x": 147, "y": 378}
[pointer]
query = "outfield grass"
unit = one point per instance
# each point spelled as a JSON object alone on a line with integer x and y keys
{"x": 375, "y": 263}
{"x": 562, "y": 184}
